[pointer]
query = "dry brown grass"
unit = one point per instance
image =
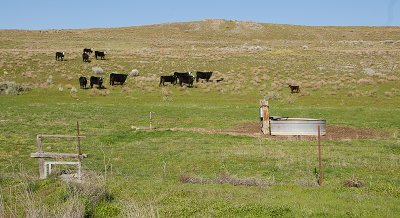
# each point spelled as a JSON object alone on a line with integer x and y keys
{"x": 365, "y": 81}
{"x": 353, "y": 182}
{"x": 133, "y": 209}
{"x": 99, "y": 92}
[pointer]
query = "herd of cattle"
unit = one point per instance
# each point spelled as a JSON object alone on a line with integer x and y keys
{"x": 120, "y": 79}
{"x": 85, "y": 55}
{"x": 186, "y": 78}
{"x": 115, "y": 78}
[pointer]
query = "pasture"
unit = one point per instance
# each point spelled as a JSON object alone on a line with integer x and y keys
{"x": 206, "y": 157}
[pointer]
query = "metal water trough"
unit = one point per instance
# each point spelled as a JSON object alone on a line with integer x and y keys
{"x": 296, "y": 126}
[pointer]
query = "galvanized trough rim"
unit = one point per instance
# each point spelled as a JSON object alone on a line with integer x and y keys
{"x": 295, "y": 119}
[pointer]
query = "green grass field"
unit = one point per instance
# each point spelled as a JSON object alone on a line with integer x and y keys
{"x": 205, "y": 159}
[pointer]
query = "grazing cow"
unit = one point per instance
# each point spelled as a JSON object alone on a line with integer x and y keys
{"x": 59, "y": 56}
{"x": 220, "y": 80}
{"x": 203, "y": 75}
{"x": 85, "y": 57}
{"x": 170, "y": 79}
{"x": 82, "y": 82}
{"x": 88, "y": 50}
{"x": 118, "y": 78}
{"x": 94, "y": 80}
{"x": 294, "y": 89}
{"x": 178, "y": 75}
{"x": 186, "y": 79}
{"x": 100, "y": 54}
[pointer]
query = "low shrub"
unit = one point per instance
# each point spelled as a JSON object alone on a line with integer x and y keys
{"x": 353, "y": 182}
{"x": 11, "y": 88}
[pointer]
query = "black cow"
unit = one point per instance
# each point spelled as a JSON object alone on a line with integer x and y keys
{"x": 59, "y": 56}
{"x": 100, "y": 54}
{"x": 178, "y": 75}
{"x": 186, "y": 79}
{"x": 118, "y": 78}
{"x": 82, "y": 82}
{"x": 94, "y": 80}
{"x": 294, "y": 88}
{"x": 85, "y": 57}
{"x": 170, "y": 79}
{"x": 88, "y": 50}
{"x": 203, "y": 75}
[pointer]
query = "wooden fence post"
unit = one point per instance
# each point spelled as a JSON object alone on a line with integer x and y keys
{"x": 320, "y": 170}
{"x": 78, "y": 138}
{"x": 42, "y": 173}
{"x": 264, "y": 115}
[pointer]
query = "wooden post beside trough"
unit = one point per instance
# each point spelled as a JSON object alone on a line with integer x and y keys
{"x": 264, "y": 116}
{"x": 320, "y": 170}
{"x": 41, "y": 155}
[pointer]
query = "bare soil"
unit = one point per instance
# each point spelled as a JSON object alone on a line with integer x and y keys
{"x": 332, "y": 132}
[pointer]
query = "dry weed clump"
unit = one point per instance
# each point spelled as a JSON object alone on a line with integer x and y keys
{"x": 134, "y": 73}
{"x": 304, "y": 93}
{"x": 74, "y": 207}
{"x": 371, "y": 93}
{"x": 369, "y": 71}
{"x": 28, "y": 74}
{"x": 317, "y": 85}
{"x": 395, "y": 91}
{"x": 389, "y": 94}
{"x": 307, "y": 182}
{"x": 332, "y": 93}
{"x": 277, "y": 85}
{"x": 99, "y": 92}
{"x": 49, "y": 80}
{"x": 351, "y": 94}
{"x": 273, "y": 96}
{"x": 73, "y": 92}
{"x": 97, "y": 70}
{"x": 353, "y": 182}
{"x": 11, "y": 88}
{"x": 392, "y": 78}
{"x": 365, "y": 81}
{"x": 133, "y": 209}
{"x": 126, "y": 89}
{"x": 290, "y": 100}
{"x": 166, "y": 95}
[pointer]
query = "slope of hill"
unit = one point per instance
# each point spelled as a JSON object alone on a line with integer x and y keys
{"x": 207, "y": 157}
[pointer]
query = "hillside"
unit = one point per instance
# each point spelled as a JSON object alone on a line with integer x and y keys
{"x": 275, "y": 54}
{"x": 206, "y": 158}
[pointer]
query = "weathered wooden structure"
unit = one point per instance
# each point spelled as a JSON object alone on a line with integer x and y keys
{"x": 46, "y": 166}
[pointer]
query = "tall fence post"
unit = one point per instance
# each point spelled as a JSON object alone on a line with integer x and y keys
{"x": 320, "y": 170}
{"x": 151, "y": 119}
{"x": 78, "y": 138}
{"x": 42, "y": 167}
{"x": 264, "y": 115}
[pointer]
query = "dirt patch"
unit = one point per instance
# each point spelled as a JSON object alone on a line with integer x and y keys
{"x": 213, "y": 131}
{"x": 247, "y": 128}
{"x": 338, "y": 132}
{"x": 332, "y": 132}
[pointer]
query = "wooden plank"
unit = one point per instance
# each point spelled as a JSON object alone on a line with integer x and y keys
{"x": 41, "y": 155}
{"x": 62, "y": 163}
